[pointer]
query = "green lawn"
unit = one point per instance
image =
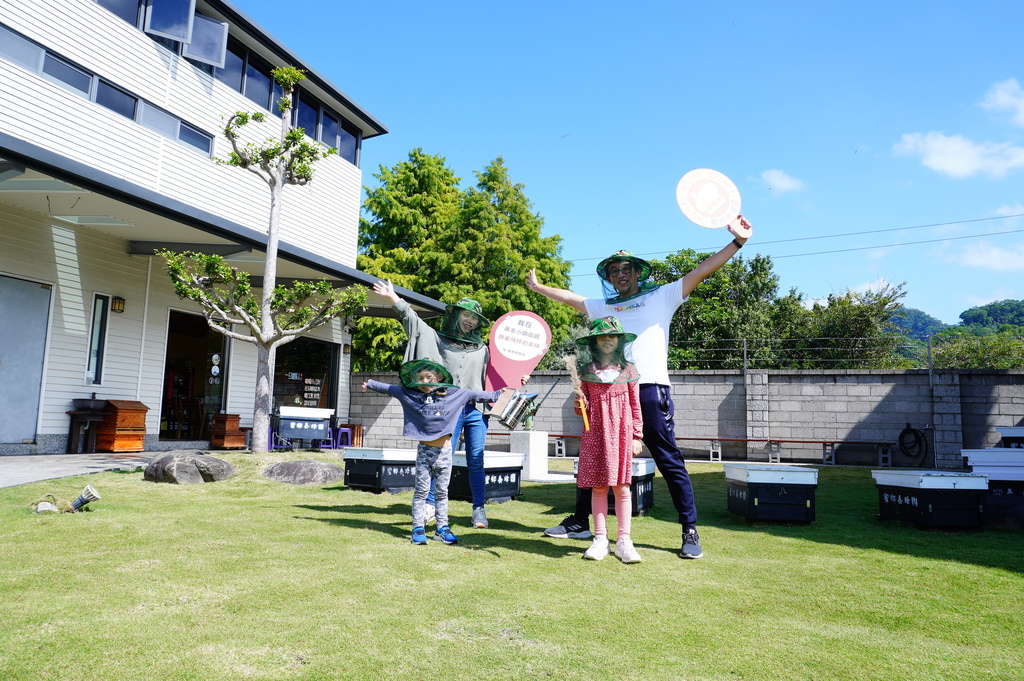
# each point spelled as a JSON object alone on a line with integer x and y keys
{"x": 251, "y": 579}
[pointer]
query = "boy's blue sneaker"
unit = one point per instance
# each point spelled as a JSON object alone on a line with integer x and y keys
{"x": 419, "y": 535}
{"x": 445, "y": 534}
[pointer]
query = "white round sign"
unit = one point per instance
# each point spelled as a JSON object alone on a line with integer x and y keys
{"x": 708, "y": 198}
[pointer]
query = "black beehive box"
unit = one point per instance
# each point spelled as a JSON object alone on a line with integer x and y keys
{"x": 784, "y": 493}
{"x": 502, "y": 475}
{"x": 380, "y": 470}
{"x": 932, "y": 499}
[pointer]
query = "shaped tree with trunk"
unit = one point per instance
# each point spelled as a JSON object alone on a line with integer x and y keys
{"x": 278, "y": 314}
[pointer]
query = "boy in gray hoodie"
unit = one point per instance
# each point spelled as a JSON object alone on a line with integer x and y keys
{"x": 431, "y": 406}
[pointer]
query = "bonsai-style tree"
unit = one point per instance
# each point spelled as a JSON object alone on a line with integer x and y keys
{"x": 280, "y": 314}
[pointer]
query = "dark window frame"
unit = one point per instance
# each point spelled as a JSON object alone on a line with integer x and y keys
{"x": 94, "y": 82}
{"x": 99, "y": 325}
{"x": 157, "y": 7}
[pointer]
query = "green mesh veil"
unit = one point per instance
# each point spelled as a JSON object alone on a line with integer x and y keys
{"x": 409, "y": 370}
{"x": 641, "y": 266}
{"x": 451, "y": 328}
{"x": 612, "y": 370}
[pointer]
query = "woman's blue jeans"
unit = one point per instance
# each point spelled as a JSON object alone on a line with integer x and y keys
{"x": 472, "y": 425}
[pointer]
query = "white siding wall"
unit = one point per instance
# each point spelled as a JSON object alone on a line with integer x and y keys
{"x": 80, "y": 263}
{"x": 322, "y": 217}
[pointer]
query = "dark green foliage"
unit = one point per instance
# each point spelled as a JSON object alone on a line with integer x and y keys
{"x": 917, "y": 324}
{"x": 424, "y": 233}
{"x": 994, "y": 315}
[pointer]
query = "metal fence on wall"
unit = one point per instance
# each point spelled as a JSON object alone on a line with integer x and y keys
{"x": 895, "y": 352}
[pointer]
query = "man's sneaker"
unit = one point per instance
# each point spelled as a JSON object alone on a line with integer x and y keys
{"x": 429, "y": 513}
{"x": 625, "y": 551}
{"x": 445, "y": 534}
{"x": 479, "y": 517}
{"x": 419, "y": 536}
{"x": 691, "y": 545}
{"x": 570, "y": 528}
{"x": 598, "y": 548}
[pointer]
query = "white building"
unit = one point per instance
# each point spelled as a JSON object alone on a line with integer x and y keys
{"x": 110, "y": 112}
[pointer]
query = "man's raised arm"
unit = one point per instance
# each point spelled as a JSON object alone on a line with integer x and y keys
{"x": 707, "y": 267}
{"x": 559, "y": 295}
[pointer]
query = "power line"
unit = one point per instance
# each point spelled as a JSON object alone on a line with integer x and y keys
{"x": 863, "y": 248}
{"x": 905, "y": 243}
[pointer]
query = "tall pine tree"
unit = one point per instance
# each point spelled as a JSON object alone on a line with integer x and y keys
{"x": 423, "y": 233}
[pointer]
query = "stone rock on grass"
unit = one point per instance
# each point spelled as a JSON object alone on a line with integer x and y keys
{"x": 304, "y": 472}
{"x": 188, "y": 469}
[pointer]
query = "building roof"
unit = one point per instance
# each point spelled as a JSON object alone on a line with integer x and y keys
{"x": 371, "y": 127}
{"x": 32, "y": 172}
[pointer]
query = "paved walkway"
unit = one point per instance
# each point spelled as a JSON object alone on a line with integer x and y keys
{"x": 19, "y": 470}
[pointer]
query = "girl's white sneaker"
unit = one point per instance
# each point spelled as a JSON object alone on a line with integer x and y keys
{"x": 626, "y": 552}
{"x": 598, "y": 549}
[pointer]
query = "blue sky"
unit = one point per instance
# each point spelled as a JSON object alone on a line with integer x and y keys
{"x": 832, "y": 118}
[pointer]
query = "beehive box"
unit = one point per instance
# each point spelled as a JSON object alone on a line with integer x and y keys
{"x": 124, "y": 427}
{"x": 765, "y": 492}
{"x": 379, "y": 470}
{"x": 932, "y": 498}
{"x": 502, "y": 474}
{"x": 641, "y": 486}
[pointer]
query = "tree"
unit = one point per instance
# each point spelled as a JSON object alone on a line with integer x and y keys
{"x": 281, "y": 313}
{"x": 416, "y": 199}
{"x": 423, "y": 233}
{"x": 738, "y": 301}
{"x": 956, "y": 348}
{"x": 852, "y": 330}
{"x": 993, "y": 315}
{"x": 917, "y": 324}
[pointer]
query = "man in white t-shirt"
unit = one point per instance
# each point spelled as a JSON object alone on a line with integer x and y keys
{"x": 646, "y": 309}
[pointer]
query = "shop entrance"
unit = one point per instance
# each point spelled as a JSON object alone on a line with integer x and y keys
{"x": 195, "y": 373}
{"x": 305, "y": 373}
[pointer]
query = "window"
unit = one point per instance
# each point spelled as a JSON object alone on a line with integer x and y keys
{"x": 126, "y": 9}
{"x": 116, "y": 99}
{"x": 258, "y": 81}
{"x": 63, "y": 72}
{"x": 306, "y": 113}
{"x": 170, "y": 19}
{"x": 97, "y": 340}
{"x": 304, "y": 374}
{"x": 16, "y": 47}
{"x": 195, "y": 138}
{"x": 19, "y": 50}
{"x": 329, "y": 129}
{"x": 209, "y": 41}
{"x": 159, "y": 121}
{"x": 234, "y": 66}
{"x": 348, "y": 143}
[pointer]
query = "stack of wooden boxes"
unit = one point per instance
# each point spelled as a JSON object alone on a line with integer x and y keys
{"x": 226, "y": 433}
{"x": 124, "y": 428}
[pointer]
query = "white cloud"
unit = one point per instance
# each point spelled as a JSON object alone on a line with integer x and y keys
{"x": 1016, "y": 210}
{"x": 987, "y": 256}
{"x": 1006, "y": 96}
{"x": 957, "y": 156}
{"x": 970, "y": 300}
{"x": 876, "y": 285}
{"x": 779, "y": 182}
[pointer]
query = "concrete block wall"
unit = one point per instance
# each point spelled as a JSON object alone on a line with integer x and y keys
{"x": 955, "y": 410}
{"x": 845, "y": 405}
{"x": 380, "y": 414}
{"x": 987, "y": 402}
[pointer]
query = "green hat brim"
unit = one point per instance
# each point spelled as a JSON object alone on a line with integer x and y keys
{"x": 408, "y": 372}
{"x": 640, "y": 264}
{"x": 582, "y": 340}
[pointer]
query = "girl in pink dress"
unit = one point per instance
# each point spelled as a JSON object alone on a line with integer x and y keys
{"x": 611, "y": 394}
